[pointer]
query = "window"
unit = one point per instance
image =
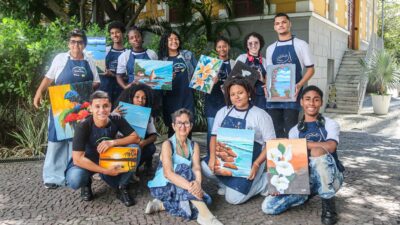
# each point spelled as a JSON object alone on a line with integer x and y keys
{"x": 243, "y": 8}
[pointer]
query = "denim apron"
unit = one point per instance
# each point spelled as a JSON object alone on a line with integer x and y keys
{"x": 239, "y": 184}
{"x": 130, "y": 65}
{"x": 260, "y": 101}
{"x": 75, "y": 71}
{"x": 109, "y": 83}
{"x": 286, "y": 54}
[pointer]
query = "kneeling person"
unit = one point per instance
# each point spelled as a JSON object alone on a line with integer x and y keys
{"x": 326, "y": 171}
{"x": 96, "y": 134}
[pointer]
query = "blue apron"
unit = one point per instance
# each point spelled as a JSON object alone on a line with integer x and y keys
{"x": 130, "y": 65}
{"x": 239, "y": 184}
{"x": 109, "y": 83}
{"x": 260, "y": 101}
{"x": 75, "y": 71}
{"x": 286, "y": 54}
{"x": 216, "y": 100}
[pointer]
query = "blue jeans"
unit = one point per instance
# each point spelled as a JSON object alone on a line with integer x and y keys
{"x": 78, "y": 177}
{"x": 58, "y": 155}
{"x": 210, "y": 123}
{"x": 325, "y": 180}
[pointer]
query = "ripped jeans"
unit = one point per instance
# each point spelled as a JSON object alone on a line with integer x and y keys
{"x": 325, "y": 181}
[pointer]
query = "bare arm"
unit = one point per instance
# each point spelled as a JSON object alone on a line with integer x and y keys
{"x": 133, "y": 138}
{"x": 151, "y": 139}
{"x": 80, "y": 160}
{"x": 42, "y": 87}
{"x": 121, "y": 82}
{"x": 307, "y": 76}
{"x": 329, "y": 146}
{"x": 166, "y": 158}
{"x": 95, "y": 85}
{"x": 213, "y": 144}
{"x": 196, "y": 168}
{"x": 256, "y": 164}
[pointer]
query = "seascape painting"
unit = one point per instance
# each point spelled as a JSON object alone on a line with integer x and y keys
{"x": 155, "y": 73}
{"x": 287, "y": 166}
{"x": 281, "y": 83}
{"x": 243, "y": 70}
{"x": 234, "y": 152}
{"x": 207, "y": 68}
{"x": 137, "y": 116}
{"x": 124, "y": 158}
{"x": 69, "y": 105}
{"x": 96, "y": 49}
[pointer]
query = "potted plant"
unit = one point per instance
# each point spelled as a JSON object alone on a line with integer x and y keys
{"x": 382, "y": 72}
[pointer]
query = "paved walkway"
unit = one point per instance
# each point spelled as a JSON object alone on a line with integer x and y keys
{"x": 369, "y": 148}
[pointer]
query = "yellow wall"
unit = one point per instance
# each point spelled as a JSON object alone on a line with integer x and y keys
{"x": 151, "y": 11}
{"x": 286, "y": 6}
{"x": 320, "y": 7}
{"x": 341, "y": 13}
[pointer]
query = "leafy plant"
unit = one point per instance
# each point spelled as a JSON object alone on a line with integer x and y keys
{"x": 382, "y": 71}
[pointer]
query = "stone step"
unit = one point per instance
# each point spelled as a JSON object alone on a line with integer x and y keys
{"x": 350, "y": 62}
{"x": 340, "y": 111}
{"x": 346, "y": 85}
{"x": 347, "y": 107}
{"x": 347, "y": 98}
{"x": 352, "y": 58}
{"x": 341, "y": 103}
{"x": 345, "y": 89}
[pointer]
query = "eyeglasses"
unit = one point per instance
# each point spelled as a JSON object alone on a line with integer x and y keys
{"x": 256, "y": 43}
{"x": 73, "y": 42}
{"x": 180, "y": 124}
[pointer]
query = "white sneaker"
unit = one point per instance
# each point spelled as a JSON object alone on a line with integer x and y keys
{"x": 153, "y": 206}
{"x": 221, "y": 191}
{"x": 209, "y": 221}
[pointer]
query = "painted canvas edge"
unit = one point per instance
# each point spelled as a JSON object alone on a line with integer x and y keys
{"x": 292, "y": 83}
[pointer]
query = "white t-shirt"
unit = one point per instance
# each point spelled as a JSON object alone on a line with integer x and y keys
{"x": 301, "y": 48}
{"x": 124, "y": 57}
{"x": 257, "y": 120}
{"x": 332, "y": 129}
{"x": 61, "y": 60}
{"x": 151, "y": 129}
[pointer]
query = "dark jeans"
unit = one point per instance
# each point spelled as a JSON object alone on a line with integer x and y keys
{"x": 147, "y": 155}
{"x": 284, "y": 120}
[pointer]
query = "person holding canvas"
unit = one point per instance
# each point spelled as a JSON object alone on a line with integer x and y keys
{"x": 109, "y": 84}
{"x": 126, "y": 61}
{"x": 67, "y": 68}
{"x": 254, "y": 42}
{"x": 184, "y": 63}
{"x": 288, "y": 50}
{"x": 240, "y": 114}
{"x": 176, "y": 186}
{"x": 142, "y": 95}
{"x": 326, "y": 171}
{"x": 95, "y": 135}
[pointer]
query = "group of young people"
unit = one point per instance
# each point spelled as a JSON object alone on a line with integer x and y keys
{"x": 176, "y": 185}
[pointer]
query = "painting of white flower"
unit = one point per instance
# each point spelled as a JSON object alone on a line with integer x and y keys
{"x": 274, "y": 154}
{"x": 281, "y": 183}
{"x": 284, "y": 168}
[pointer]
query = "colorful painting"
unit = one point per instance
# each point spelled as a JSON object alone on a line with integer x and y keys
{"x": 137, "y": 116}
{"x": 207, "y": 68}
{"x": 155, "y": 73}
{"x": 234, "y": 152}
{"x": 96, "y": 49}
{"x": 287, "y": 166}
{"x": 243, "y": 70}
{"x": 281, "y": 83}
{"x": 124, "y": 158}
{"x": 69, "y": 104}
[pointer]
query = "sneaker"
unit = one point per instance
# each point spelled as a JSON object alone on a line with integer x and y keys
{"x": 86, "y": 193}
{"x": 124, "y": 196}
{"x": 221, "y": 191}
{"x": 51, "y": 185}
{"x": 209, "y": 221}
{"x": 153, "y": 206}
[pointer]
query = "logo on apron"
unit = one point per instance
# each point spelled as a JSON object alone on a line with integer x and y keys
{"x": 179, "y": 67}
{"x": 314, "y": 136}
{"x": 284, "y": 58}
{"x": 113, "y": 65}
{"x": 79, "y": 71}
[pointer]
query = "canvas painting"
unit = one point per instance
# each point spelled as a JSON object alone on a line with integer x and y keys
{"x": 243, "y": 70}
{"x": 287, "y": 166}
{"x": 281, "y": 83}
{"x": 124, "y": 158}
{"x": 207, "y": 68}
{"x": 96, "y": 48}
{"x": 137, "y": 116}
{"x": 69, "y": 104}
{"x": 155, "y": 73}
{"x": 234, "y": 152}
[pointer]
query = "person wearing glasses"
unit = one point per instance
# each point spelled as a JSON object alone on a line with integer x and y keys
{"x": 176, "y": 186}
{"x": 67, "y": 68}
{"x": 254, "y": 42}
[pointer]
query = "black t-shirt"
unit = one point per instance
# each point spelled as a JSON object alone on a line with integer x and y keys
{"x": 87, "y": 135}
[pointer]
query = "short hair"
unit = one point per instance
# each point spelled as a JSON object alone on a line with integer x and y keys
{"x": 98, "y": 95}
{"x": 135, "y": 28}
{"x": 280, "y": 15}
{"x": 221, "y": 38}
{"x": 163, "y": 45}
{"x": 78, "y": 33}
{"x": 180, "y": 112}
{"x": 128, "y": 94}
{"x": 313, "y": 88}
{"x": 256, "y": 35}
{"x": 116, "y": 25}
{"x": 237, "y": 80}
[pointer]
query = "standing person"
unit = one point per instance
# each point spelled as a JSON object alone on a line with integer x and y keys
{"x": 67, "y": 68}
{"x": 184, "y": 62}
{"x": 176, "y": 186}
{"x": 109, "y": 84}
{"x": 240, "y": 114}
{"x": 216, "y": 100}
{"x": 288, "y": 49}
{"x": 142, "y": 95}
{"x": 326, "y": 171}
{"x": 126, "y": 61}
{"x": 95, "y": 135}
{"x": 253, "y": 43}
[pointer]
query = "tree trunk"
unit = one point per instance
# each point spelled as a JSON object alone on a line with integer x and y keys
{"x": 51, "y": 4}
{"x": 136, "y": 14}
{"x": 82, "y": 13}
{"x": 111, "y": 11}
